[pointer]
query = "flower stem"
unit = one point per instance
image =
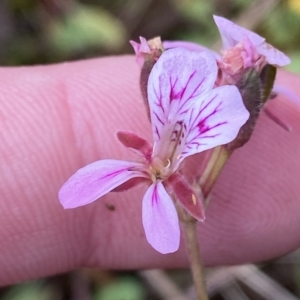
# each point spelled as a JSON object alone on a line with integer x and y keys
{"x": 190, "y": 230}
{"x": 211, "y": 172}
{"x": 217, "y": 161}
{"x": 214, "y": 167}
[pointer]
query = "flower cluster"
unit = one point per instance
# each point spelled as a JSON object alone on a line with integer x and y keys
{"x": 188, "y": 114}
{"x": 242, "y": 49}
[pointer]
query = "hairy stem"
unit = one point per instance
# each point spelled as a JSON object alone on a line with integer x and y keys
{"x": 193, "y": 248}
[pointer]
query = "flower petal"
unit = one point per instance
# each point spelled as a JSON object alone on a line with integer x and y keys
{"x": 178, "y": 77}
{"x": 216, "y": 119}
{"x": 160, "y": 219}
{"x": 232, "y": 33}
{"x": 188, "y": 45}
{"x": 95, "y": 180}
{"x": 273, "y": 56}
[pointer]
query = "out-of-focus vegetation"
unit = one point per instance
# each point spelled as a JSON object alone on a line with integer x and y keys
{"x": 48, "y": 31}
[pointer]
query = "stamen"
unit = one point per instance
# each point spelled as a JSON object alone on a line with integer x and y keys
{"x": 177, "y": 141}
{"x": 168, "y": 164}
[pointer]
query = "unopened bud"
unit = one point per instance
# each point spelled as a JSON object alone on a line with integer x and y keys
{"x": 156, "y": 50}
{"x": 255, "y": 90}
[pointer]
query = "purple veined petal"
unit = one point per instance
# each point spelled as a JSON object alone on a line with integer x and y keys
{"x": 97, "y": 179}
{"x": 273, "y": 56}
{"x": 178, "y": 77}
{"x": 215, "y": 120}
{"x": 160, "y": 219}
{"x": 188, "y": 45}
{"x": 232, "y": 33}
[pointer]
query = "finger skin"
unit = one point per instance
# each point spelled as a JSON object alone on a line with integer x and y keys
{"x": 56, "y": 119}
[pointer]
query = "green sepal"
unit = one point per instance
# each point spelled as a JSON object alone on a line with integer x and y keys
{"x": 267, "y": 77}
{"x": 250, "y": 87}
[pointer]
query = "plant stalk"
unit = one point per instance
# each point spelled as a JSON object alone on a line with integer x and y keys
{"x": 194, "y": 254}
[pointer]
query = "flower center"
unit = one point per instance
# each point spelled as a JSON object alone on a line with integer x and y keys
{"x": 166, "y": 152}
{"x": 160, "y": 170}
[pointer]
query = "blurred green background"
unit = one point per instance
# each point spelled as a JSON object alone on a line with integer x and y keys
{"x": 49, "y": 31}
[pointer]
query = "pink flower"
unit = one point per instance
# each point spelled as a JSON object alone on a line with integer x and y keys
{"x": 242, "y": 48}
{"x": 240, "y": 57}
{"x": 188, "y": 116}
{"x": 185, "y": 44}
{"x": 250, "y": 44}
